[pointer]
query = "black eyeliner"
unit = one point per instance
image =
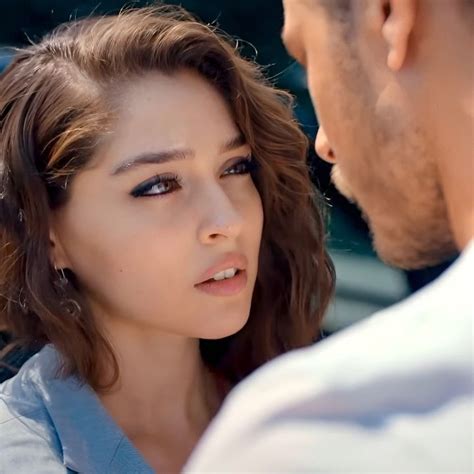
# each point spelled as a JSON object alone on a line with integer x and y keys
{"x": 250, "y": 163}
{"x": 138, "y": 191}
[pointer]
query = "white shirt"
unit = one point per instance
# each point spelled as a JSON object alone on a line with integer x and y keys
{"x": 391, "y": 394}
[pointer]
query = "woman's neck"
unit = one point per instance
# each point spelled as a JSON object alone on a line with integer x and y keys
{"x": 164, "y": 397}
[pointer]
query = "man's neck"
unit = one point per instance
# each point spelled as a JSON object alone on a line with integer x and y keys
{"x": 456, "y": 170}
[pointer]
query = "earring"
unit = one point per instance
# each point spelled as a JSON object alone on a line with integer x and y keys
{"x": 62, "y": 281}
{"x": 69, "y": 304}
{"x": 72, "y": 307}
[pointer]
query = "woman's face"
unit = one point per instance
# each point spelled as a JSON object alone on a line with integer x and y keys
{"x": 164, "y": 211}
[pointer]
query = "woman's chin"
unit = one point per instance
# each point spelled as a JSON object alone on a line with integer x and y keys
{"x": 224, "y": 327}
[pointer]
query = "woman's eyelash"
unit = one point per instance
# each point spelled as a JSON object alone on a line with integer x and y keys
{"x": 160, "y": 185}
{"x": 164, "y": 184}
{"x": 243, "y": 166}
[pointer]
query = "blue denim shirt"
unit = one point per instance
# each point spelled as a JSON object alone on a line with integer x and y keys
{"x": 50, "y": 425}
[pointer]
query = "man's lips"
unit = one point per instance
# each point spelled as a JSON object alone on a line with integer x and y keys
{"x": 226, "y": 261}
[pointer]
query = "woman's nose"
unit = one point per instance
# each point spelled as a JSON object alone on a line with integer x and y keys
{"x": 220, "y": 219}
{"x": 323, "y": 148}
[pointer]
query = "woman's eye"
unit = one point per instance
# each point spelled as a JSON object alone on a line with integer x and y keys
{"x": 244, "y": 166}
{"x": 157, "y": 186}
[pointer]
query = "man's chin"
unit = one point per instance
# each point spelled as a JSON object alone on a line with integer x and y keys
{"x": 408, "y": 252}
{"x": 400, "y": 242}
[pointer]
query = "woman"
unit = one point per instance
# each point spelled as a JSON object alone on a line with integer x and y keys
{"x": 160, "y": 240}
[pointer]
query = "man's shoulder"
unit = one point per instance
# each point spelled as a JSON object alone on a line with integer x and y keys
{"x": 393, "y": 391}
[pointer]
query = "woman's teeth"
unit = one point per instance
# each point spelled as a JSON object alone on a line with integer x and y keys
{"x": 228, "y": 273}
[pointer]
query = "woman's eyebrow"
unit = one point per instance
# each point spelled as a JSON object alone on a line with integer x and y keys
{"x": 166, "y": 156}
{"x": 156, "y": 157}
{"x": 235, "y": 142}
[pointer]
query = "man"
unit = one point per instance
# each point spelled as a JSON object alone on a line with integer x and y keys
{"x": 392, "y": 81}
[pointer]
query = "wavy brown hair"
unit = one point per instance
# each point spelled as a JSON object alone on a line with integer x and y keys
{"x": 55, "y": 104}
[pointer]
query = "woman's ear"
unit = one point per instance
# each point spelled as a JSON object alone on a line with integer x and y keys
{"x": 57, "y": 254}
{"x": 399, "y": 20}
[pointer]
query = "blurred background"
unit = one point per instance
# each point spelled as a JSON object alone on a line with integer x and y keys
{"x": 364, "y": 284}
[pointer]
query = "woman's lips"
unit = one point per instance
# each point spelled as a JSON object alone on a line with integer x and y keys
{"x": 227, "y": 287}
{"x": 226, "y": 261}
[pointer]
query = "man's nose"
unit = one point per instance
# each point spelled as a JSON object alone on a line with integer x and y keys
{"x": 323, "y": 148}
{"x": 220, "y": 220}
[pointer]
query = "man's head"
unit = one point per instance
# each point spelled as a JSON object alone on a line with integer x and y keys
{"x": 382, "y": 74}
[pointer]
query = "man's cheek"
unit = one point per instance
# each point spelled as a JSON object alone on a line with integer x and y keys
{"x": 342, "y": 183}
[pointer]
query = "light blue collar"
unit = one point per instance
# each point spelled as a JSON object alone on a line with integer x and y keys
{"x": 90, "y": 439}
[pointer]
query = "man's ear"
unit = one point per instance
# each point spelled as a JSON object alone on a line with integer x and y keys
{"x": 56, "y": 251}
{"x": 398, "y": 20}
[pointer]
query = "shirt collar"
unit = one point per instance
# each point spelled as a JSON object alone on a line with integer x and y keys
{"x": 91, "y": 441}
